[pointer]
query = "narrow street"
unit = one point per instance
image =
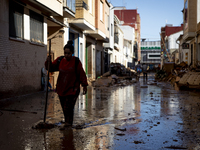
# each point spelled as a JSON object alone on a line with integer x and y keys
{"x": 147, "y": 115}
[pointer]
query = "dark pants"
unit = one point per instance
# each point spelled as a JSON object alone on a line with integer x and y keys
{"x": 145, "y": 75}
{"x": 68, "y": 103}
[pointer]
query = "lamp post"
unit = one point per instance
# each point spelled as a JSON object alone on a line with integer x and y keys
{"x": 48, "y": 67}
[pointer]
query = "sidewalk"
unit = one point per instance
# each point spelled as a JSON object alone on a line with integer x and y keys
{"x": 18, "y": 115}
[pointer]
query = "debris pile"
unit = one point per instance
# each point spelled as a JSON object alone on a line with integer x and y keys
{"x": 121, "y": 70}
{"x": 181, "y": 74}
{"x": 118, "y": 75}
{"x": 190, "y": 80}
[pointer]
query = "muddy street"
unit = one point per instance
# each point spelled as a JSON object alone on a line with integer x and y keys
{"x": 146, "y": 115}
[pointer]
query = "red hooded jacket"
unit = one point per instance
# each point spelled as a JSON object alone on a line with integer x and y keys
{"x": 68, "y": 81}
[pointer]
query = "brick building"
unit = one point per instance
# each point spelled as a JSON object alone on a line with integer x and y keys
{"x": 23, "y": 38}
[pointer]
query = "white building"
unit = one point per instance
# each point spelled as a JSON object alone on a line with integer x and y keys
{"x": 129, "y": 37}
{"x": 117, "y": 56}
{"x": 108, "y": 47}
{"x": 173, "y": 46}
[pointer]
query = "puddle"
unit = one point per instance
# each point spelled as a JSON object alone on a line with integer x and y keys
{"x": 128, "y": 117}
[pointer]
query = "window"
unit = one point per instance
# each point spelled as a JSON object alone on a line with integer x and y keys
{"x": 71, "y": 5}
{"x": 101, "y": 11}
{"x": 16, "y": 12}
{"x": 36, "y": 27}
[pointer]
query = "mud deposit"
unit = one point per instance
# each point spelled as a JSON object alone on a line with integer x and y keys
{"x": 146, "y": 115}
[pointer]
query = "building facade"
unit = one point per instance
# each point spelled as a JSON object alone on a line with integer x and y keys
{"x": 151, "y": 53}
{"x": 189, "y": 29}
{"x": 84, "y": 21}
{"x": 32, "y": 30}
{"x": 109, "y": 46}
{"x": 117, "y": 56}
{"x": 169, "y": 45}
{"x": 189, "y": 42}
{"x": 129, "y": 38}
{"x": 131, "y": 18}
{"x": 173, "y": 46}
{"x": 100, "y": 34}
{"x": 23, "y": 33}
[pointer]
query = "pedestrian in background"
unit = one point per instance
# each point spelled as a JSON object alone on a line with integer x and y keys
{"x": 144, "y": 70}
{"x": 44, "y": 80}
{"x": 138, "y": 69}
{"x": 69, "y": 79}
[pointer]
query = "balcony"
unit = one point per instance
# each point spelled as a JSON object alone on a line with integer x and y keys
{"x": 99, "y": 35}
{"x": 188, "y": 36}
{"x": 116, "y": 39}
{"x": 81, "y": 24}
{"x": 82, "y": 5}
{"x": 83, "y": 19}
{"x": 69, "y": 8}
{"x": 45, "y": 7}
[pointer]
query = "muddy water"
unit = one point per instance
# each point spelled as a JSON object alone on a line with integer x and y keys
{"x": 144, "y": 115}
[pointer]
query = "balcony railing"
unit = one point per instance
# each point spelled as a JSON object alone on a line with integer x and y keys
{"x": 83, "y": 5}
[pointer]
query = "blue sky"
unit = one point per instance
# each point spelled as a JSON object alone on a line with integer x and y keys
{"x": 154, "y": 14}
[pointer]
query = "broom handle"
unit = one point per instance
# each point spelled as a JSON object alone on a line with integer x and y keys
{"x": 47, "y": 84}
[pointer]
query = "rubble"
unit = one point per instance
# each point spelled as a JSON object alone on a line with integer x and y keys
{"x": 190, "y": 79}
{"x": 117, "y": 76}
{"x": 182, "y": 75}
{"x": 114, "y": 80}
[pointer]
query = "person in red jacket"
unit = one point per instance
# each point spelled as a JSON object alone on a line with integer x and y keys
{"x": 69, "y": 79}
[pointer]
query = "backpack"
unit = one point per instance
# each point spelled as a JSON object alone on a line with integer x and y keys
{"x": 139, "y": 70}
